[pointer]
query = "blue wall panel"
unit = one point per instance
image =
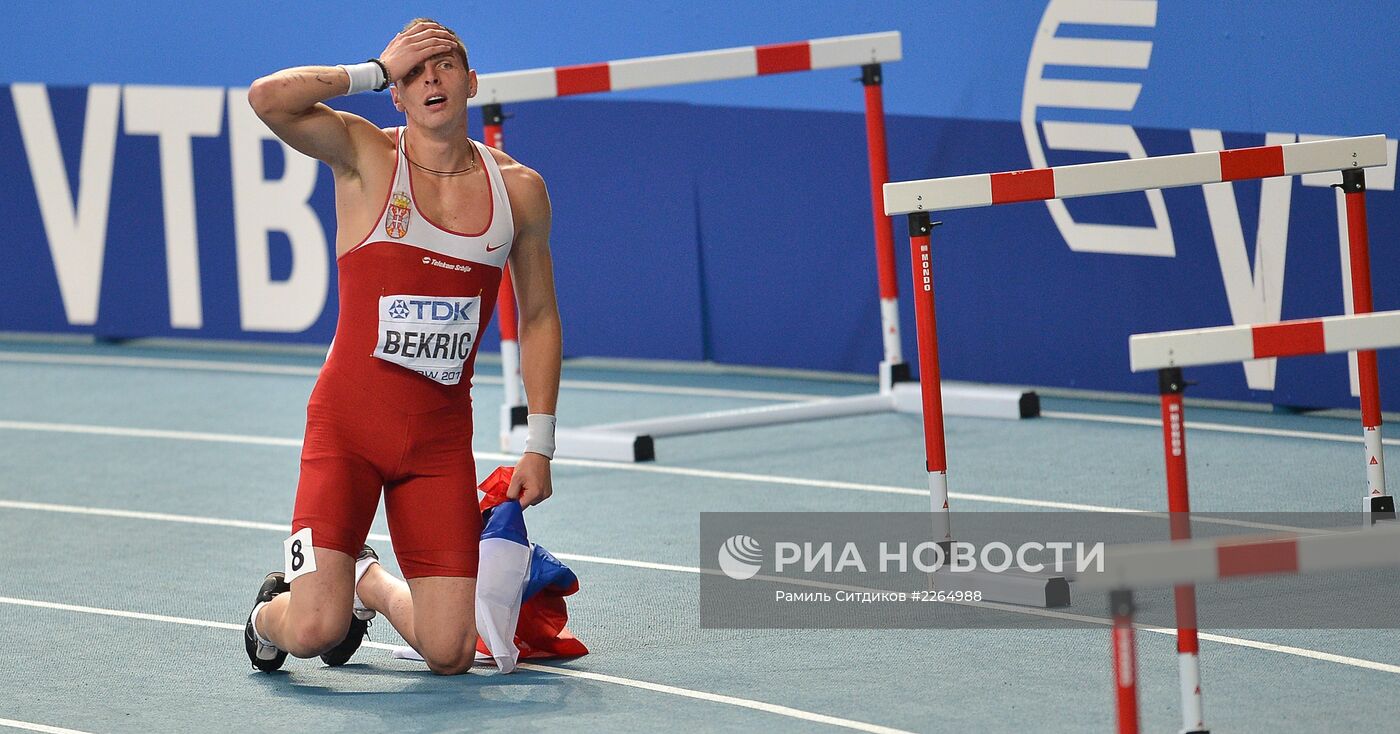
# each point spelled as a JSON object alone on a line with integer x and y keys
{"x": 622, "y": 184}
{"x": 787, "y": 241}
{"x": 730, "y": 221}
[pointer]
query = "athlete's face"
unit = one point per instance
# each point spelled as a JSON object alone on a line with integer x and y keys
{"x": 436, "y": 91}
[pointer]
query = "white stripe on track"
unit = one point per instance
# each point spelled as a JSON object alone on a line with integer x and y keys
{"x": 638, "y": 468}
{"x": 205, "y": 365}
{"x": 627, "y": 387}
{"x": 285, "y": 528}
{"x": 718, "y": 698}
{"x": 1129, "y": 420}
{"x": 160, "y": 363}
{"x": 1223, "y": 639}
{"x": 548, "y": 669}
{"x": 1048, "y": 613}
{"x": 25, "y": 725}
{"x": 646, "y": 469}
{"x": 119, "y": 613}
{"x": 149, "y": 433}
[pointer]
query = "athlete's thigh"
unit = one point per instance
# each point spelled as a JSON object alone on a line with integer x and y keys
{"x": 435, "y": 518}
{"x": 444, "y": 616}
{"x": 337, "y": 496}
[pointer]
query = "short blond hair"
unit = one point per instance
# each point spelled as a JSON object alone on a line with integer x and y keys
{"x": 462, "y": 47}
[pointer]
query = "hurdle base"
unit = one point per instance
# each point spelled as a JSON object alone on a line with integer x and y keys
{"x": 585, "y": 443}
{"x": 635, "y": 440}
{"x": 893, "y": 373}
{"x": 970, "y": 400}
{"x": 512, "y": 418}
{"x": 1380, "y": 508}
{"x": 1008, "y": 587}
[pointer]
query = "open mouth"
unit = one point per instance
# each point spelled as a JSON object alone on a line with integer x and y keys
{"x": 437, "y": 100}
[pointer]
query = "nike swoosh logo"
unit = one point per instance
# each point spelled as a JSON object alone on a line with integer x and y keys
{"x": 490, "y": 248}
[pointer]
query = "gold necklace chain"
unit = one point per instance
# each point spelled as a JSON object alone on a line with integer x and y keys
{"x": 459, "y": 172}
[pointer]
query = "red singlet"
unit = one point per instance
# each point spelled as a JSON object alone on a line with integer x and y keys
{"x": 392, "y": 407}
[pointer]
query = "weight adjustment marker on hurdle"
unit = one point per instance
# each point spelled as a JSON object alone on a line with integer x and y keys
{"x": 1376, "y": 500}
{"x": 1172, "y": 385}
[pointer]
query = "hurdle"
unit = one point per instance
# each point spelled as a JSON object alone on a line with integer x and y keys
{"x": 1168, "y": 352}
{"x": 1184, "y": 564}
{"x": 918, "y": 199}
{"x": 634, "y": 440}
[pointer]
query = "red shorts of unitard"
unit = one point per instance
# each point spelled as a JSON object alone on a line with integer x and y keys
{"x": 358, "y": 444}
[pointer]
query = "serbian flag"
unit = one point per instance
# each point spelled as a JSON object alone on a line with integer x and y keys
{"x": 520, "y": 588}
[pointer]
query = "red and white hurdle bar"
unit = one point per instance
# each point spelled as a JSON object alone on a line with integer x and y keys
{"x": 1138, "y": 174}
{"x": 918, "y": 198}
{"x": 1168, "y": 352}
{"x": 1362, "y": 333}
{"x": 1181, "y": 564}
{"x": 633, "y": 441}
{"x": 645, "y": 72}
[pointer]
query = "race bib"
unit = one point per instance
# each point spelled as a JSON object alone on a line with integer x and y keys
{"x": 431, "y": 335}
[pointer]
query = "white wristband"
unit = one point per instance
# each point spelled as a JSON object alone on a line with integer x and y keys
{"x": 365, "y": 77}
{"x": 539, "y": 434}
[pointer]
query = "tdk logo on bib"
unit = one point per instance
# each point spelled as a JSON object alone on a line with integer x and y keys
{"x": 431, "y": 335}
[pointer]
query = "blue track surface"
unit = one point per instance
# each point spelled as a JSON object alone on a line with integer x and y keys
{"x": 215, "y": 451}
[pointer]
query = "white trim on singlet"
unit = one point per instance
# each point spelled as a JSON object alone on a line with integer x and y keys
{"x": 491, "y": 246}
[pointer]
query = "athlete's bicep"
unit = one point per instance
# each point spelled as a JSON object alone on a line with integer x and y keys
{"x": 531, "y": 264}
{"x": 324, "y": 134}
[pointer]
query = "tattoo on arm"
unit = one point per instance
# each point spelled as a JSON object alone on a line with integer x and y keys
{"x": 304, "y": 76}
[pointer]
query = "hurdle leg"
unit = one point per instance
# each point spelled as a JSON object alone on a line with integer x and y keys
{"x": 926, "y": 328}
{"x": 1354, "y": 187}
{"x": 893, "y": 369}
{"x": 1120, "y": 605}
{"x": 513, "y": 408}
{"x": 1172, "y": 385}
{"x": 1030, "y": 589}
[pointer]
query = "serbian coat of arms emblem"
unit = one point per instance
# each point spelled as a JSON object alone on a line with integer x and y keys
{"x": 396, "y": 225}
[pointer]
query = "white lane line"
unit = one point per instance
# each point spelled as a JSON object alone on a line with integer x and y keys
{"x": 1325, "y": 657}
{"x": 205, "y": 365}
{"x": 139, "y": 515}
{"x": 1128, "y": 420}
{"x": 198, "y": 365}
{"x": 627, "y": 387}
{"x": 1223, "y": 639}
{"x": 1069, "y": 616}
{"x": 119, "y": 613}
{"x": 647, "y": 565}
{"x": 638, "y": 468}
{"x": 148, "y": 433}
{"x": 886, "y": 489}
{"x": 549, "y": 669}
{"x": 701, "y": 392}
{"x": 27, "y": 726}
{"x": 717, "y": 698}
{"x": 285, "y": 528}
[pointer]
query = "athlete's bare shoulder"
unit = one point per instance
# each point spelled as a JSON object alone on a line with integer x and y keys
{"x": 375, "y": 147}
{"x": 529, "y": 199}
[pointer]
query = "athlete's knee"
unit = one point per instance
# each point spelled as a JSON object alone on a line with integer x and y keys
{"x": 449, "y": 660}
{"x": 312, "y": 635}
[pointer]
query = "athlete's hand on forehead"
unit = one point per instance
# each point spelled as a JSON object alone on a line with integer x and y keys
{"x": 412, "y": 47}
